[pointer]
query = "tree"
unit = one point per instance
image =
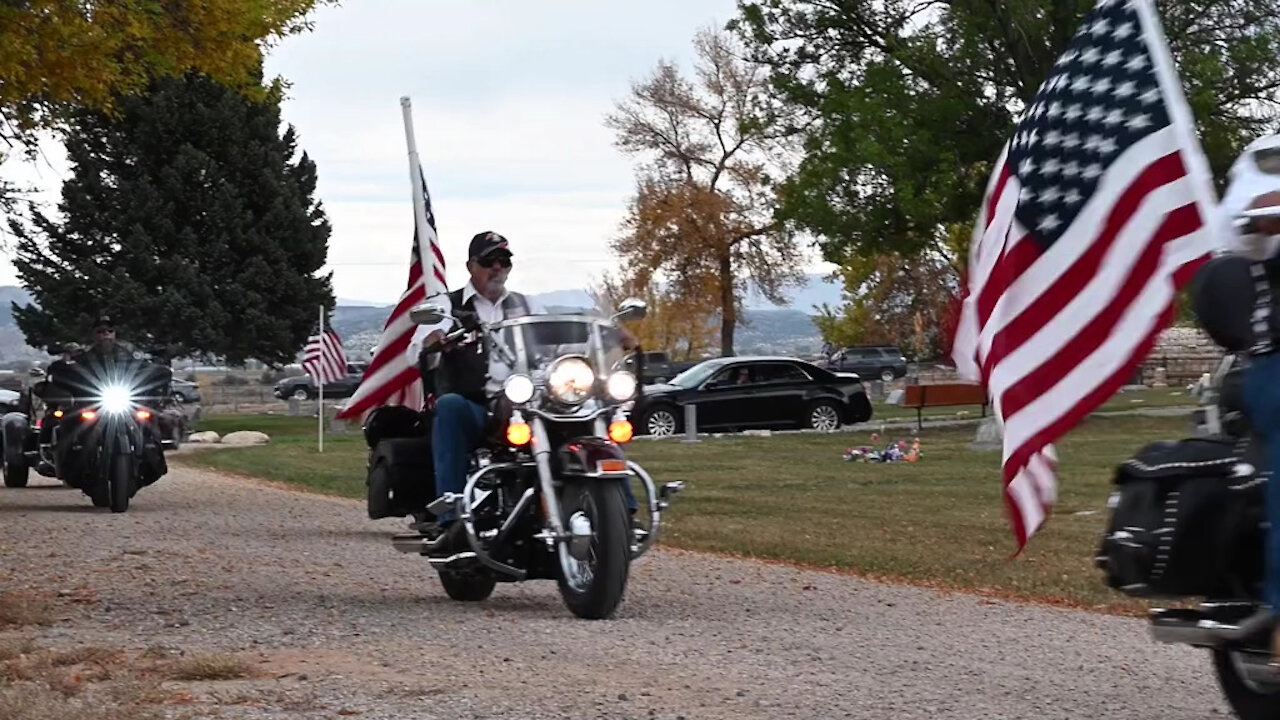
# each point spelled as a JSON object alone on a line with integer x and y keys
{"x": 189, "y": 220}
{"x": 702, "y": 218}
{"x": 684, "y": 325}
{"x": 58, "y": 55}
{"x": 905, "y": 104}
{"x": 893, "y": 299}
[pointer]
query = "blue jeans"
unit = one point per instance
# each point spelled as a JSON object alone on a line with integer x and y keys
{"x": 457, "y": 428}
{"x": 1262, "y": 400}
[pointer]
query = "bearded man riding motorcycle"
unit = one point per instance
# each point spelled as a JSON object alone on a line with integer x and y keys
{"x": 467, "y": 378}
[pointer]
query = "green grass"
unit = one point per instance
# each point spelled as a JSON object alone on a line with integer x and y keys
{"x": 793, "y": 498}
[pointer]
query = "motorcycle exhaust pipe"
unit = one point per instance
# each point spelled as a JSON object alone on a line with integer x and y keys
{"x": 1183, "y": 627}
{"x": 415, "y": 543}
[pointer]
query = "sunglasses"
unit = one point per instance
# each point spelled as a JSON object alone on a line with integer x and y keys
{"x": 1268, "y": 160}
{"x": 502, "y": 260}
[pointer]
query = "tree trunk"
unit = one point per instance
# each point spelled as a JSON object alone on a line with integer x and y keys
{"x": 728, "y": 311}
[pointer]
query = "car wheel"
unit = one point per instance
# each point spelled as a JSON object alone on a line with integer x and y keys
{"x": 301, "y": 394}
{"x": 886, "y": 374}
{"x": 824, "y": 416}
{"x": 660, "y": 422}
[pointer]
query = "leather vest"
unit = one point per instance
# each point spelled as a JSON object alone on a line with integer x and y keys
{"x": 465, "y": 370}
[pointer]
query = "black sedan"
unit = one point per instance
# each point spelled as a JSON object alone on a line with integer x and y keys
{"x": 737, "y": 393}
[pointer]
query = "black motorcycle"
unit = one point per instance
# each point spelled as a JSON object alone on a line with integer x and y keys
{"x": 1187, "y": 519}
{"x": 99, "y": 430}
{"x": 548, "y": 493}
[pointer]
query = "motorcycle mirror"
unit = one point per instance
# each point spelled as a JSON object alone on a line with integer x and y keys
{"x": 632, "y": 309}
{"x": 429, "y": 314}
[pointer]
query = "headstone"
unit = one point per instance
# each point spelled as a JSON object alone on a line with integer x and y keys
{"x": 294, "y": 405}
{"x": 988, "y": 436}
{"x": 895, "y": 397}
{"x": 690, "y": 423}
{"x": 1161, "y": 378}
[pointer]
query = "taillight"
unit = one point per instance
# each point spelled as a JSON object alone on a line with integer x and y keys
{"x": 143, "y": 414}
{"x": 89, "y": 415}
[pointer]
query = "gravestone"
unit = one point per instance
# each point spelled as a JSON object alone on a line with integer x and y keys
{"x": 988, "y": 436}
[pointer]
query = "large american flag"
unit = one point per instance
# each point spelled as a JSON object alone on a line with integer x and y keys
{"x": 1093, "y": 218}
{"x": 392, "y": 377}
{"x": 324, "y": 358}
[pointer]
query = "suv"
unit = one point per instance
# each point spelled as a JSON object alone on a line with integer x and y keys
{"x": 303, "y": 387}
{"x": 883, "y": 361}
{"x": 658, "y": 367}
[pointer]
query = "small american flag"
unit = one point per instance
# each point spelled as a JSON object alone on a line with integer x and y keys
{"x": 324, "y": 357}
{"x": 392, "y": 378}
{"x": 1092, "y": 219}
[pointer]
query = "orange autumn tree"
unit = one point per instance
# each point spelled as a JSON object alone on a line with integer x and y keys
{"x": 682, "y": 325}
{"x": 701, "y": 224}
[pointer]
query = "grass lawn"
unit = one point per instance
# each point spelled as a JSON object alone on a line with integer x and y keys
{"x": 939, "y": 522}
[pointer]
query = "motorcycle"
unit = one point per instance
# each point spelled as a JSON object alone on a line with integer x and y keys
{"x": 103, "y": 434}
{"x": 548, "y": 492}
{"x": 1187, "y": 519}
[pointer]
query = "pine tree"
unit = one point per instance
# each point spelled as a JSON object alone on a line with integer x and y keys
{"x": 189, "y": 220}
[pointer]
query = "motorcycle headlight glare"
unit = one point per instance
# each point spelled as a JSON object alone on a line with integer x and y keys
{"x": 518, "y": 389}
{"x": 116, "y": 399}
{"x": 570, "y": 380}
{"x": 621, "y": 385}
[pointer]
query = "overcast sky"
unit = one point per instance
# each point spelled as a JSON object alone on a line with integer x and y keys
{"x": 508, "y": 104}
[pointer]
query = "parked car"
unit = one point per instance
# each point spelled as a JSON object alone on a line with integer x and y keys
{"x": 185, "y": 391}
{"x": 658, "y": 366}
{"x": 303, "y": 387}
{"x": 753, "y": 392}
{"x": 883, "y": 361}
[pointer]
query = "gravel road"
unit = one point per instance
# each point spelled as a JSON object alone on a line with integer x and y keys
{"x": 338, "y": 624}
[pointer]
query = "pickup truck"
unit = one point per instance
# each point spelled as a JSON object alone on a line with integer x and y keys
{"x": 658, "y": 367}
{"x": 303, "y": 387}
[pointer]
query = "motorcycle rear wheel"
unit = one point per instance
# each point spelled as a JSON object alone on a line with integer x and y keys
{"x": 1249, "y": 701}
{"x": 596, "y": 593}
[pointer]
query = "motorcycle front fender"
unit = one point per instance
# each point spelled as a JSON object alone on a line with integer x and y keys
{"x": 591, "y": 456}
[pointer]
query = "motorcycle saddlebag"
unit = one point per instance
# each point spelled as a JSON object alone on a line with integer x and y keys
{"x": 401, "y": 477}
{"x": 1180, "y": 519}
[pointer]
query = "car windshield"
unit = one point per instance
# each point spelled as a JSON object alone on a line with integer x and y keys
{"x": 694, "y": 376}
{"x": 537, "y": 340}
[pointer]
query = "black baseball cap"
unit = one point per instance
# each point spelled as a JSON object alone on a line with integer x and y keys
{"x": 488, "y": 243}
{"x": 103, "y": 323}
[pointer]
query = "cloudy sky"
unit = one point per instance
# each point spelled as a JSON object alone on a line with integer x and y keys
{"x": 508, "y": 104}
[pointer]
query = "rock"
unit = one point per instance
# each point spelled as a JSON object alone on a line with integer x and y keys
{"x": 246, "y": 437}
{"x": 208, "y": 436}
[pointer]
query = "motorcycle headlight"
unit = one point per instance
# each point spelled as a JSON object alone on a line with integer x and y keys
{"x": 571, "y": 380}
{"x": 621, "y": 385}
{"x": 116, "y": 399}
{"x": 518, "y": 389}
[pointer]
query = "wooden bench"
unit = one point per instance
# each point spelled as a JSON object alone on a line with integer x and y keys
{"x": 943, "y": 395}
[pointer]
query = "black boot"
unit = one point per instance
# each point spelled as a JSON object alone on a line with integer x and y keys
{"x": 453, "y": 540}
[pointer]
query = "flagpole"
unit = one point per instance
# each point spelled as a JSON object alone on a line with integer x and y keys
{"x": 320, "y": 388}
{"x": 426, "y": 254}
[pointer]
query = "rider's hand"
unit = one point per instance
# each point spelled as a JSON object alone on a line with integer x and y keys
{"x": 629, "y": 340}
{"x": 1266, "y": 225}
{"x": 433, "y": 340}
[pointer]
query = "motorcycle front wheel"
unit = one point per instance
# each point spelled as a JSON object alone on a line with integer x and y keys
{"x": 121, "y": 482}
{"x": 1249, "y": 699}
{"x": 593, "y": 574}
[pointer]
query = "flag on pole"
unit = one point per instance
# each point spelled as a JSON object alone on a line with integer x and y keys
{"x": 323, "y": 357}
{"x": 392, "y": 377}
{"x": 1094, "y": 217}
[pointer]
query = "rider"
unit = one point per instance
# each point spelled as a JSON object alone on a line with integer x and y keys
{"x": 1255, "y": 183}
{"x": 466, "y": 378}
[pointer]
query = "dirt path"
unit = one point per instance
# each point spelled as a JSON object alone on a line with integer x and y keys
{"x": 332, "y": 622}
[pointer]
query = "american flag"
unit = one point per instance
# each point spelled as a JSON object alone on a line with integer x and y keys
{"x": 392, "y": 377}
{"x": 324, "y": 358}
{"x": 1093, "y": 218}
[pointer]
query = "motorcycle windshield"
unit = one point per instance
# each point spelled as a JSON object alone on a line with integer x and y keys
{"x": 87, "y": 382}
{"x": 538, "y": 340}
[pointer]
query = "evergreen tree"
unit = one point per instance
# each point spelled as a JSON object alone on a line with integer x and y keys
{"x": 189, "y": 220}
